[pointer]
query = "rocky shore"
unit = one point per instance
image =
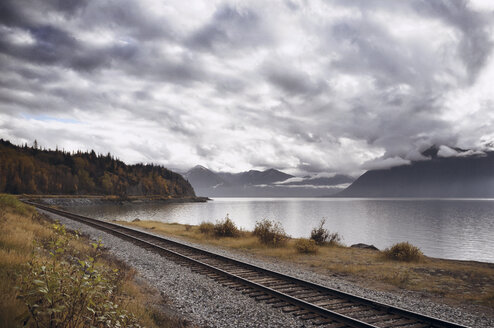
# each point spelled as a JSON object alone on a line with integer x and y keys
{"x": 99, "y": 200}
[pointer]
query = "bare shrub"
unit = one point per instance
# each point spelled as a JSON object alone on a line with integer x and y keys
{"x": 306, "y": 246}
{"x": 322, "y": 236}
{"x": 188, "y": 227}
{"x": 319, "y": 234}
{"x": 334, "y": 239}
{"x": 404, "y": 251}
{"x": 270, "y": 233}
{"x": 226, "y": 228}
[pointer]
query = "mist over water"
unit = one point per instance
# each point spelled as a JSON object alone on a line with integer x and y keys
{"x": 446, "y": 228}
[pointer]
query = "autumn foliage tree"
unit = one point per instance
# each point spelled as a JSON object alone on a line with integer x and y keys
{"x": 31, "y": 170}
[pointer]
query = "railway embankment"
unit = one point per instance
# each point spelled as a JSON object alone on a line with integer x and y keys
{"x": 430, "y": 285}
{"x": 53, "y": 277}
{"x": 209, "y": 303}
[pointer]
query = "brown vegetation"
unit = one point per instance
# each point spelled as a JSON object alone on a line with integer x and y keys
{"x": 226, "y": 228}
{"x": 270, "y": 233}
{"x": 51, "y": 277}
{"x": 206, "y": 228}
{"x": 404, "y": 251}
{"x": 306, "y": 246}
{"x": 450, "y": 281}
{"x": 322, "y": 236}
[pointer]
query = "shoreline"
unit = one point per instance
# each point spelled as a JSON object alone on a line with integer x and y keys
{"x": 68, "y": 201}
{"x": 83, "y": 200}
{"x": 443, "y": 281}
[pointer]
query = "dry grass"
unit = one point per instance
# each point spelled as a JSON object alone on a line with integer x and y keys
{"x": 450, "y": 281}
{"x": 306, "y": 246}
{"x": 21, "y": 227}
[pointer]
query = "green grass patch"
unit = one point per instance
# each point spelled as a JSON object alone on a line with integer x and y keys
{"x": 10, "y": 202}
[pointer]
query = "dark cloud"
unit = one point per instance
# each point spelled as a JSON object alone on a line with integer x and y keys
{"x": 131, "y": 19}
{"x": 10, "y": 14}
{"x": 292, "y": 81}
{"x": 367, "y": 48}
{"x": 230, "y": 29}
{"x": 475, "y": 45}
{"x": 308, "y": 87}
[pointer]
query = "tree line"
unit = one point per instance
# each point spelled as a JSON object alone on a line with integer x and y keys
{"x": 30, "y": 170}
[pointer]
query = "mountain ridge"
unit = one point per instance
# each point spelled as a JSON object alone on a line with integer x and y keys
{"x": 268, "y": 183}
{"x": 442, "y": 177}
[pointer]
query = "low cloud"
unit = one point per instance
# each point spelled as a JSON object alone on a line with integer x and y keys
{"x": 386, "y": 163}
{"x": 445, "y": 151}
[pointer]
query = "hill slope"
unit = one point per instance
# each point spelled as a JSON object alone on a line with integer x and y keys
{"x": 34, "y": 171}
{"x": 201, "y": 177}
{"x": 465, "y": 177}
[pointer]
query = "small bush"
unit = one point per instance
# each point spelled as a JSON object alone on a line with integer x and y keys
{"x": 319, "y": 234}
{"x": 306, "y": 246}
{"x": 188, "y": 227}
{"x": 322, "y": 236}
{"x": 405, "y": 252}
{"x": 270, "y": 233}
{"x": 206, "y": 228}
{"x": 67, "y": 291}
{"x": 226, "y": 228}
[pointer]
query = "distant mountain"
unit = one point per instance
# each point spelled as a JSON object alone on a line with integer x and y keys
{"x": 465, "y": 174}
{"x": 201, "y": 177}
{"x": 268, "y": 183}
{"x": 254, "y": 177}
{"x": 338, "y": 179}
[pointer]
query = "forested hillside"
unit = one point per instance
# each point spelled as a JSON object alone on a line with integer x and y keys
{"x": 31, "y": 170}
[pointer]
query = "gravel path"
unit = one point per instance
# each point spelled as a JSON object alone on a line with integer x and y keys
{"x": 208, "y": 303}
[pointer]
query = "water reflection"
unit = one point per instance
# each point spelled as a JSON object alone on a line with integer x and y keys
{"x": 447, "y": 228}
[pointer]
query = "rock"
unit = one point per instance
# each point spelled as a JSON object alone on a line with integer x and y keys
{"x": 365, "y": 246}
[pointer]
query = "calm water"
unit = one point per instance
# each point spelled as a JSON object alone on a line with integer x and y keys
{"x": 446, "y": 228}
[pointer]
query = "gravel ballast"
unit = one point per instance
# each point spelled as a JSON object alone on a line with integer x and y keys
{"x": 206, "y": 302}
{"x": 197, "y": 297}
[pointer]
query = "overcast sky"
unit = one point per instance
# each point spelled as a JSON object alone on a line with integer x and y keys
{"x": 303, "y": 86}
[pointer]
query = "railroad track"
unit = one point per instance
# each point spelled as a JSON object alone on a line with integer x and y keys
{"x": 319, "y": 305}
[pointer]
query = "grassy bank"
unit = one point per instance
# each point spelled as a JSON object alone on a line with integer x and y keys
{"x": 452, "y": 282}
{"x": 52, "y": 277}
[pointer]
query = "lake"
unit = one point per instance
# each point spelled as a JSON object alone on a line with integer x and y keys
{"x": 447, "y": 228}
